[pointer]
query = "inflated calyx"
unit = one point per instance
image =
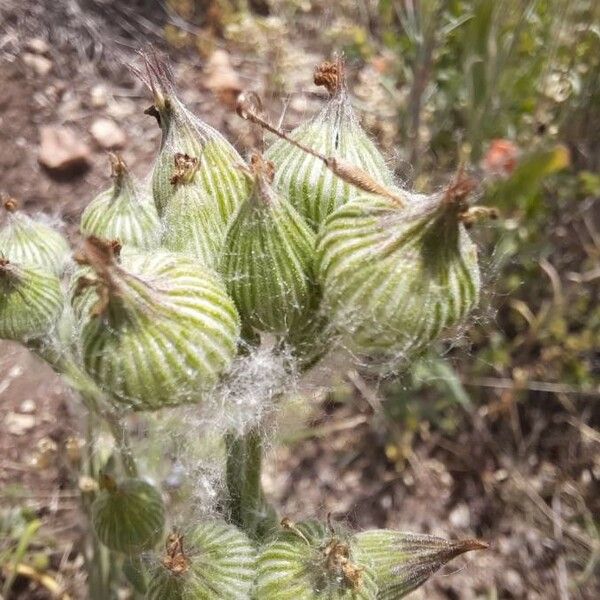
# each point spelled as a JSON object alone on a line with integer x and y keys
{"x": 268, "y": 259}
{"x": 124, "y": 212}
{"x": 161, "y": 329}
{"x": 31, "y": 301}
{"x": 335, "y": 132}
{"x": 396, "y": 272}
{"x": 220, "y": 178}
{"x": 402, "y": 562}
{"x": 310, "y": 561}
{"x": 192, "y": 224}
{"x": 212, "y": 561}
{"x": 26, "y": 241}
{"x": 128, "y": 516}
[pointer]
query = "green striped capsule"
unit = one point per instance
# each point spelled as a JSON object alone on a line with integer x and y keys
{"x": 213, "y": 561}
{"x": 26, "y": 241}
{"x": 220, "y": 178}
{"x": 161, "y": 331}
{"x": 307, "y": 561}
{"x": 128, "y": 516}
{"x": 31, "y": 301}
{"x": 268, "y": 260}
{"x": 124, "y": 212}
{"x": 402, "y": 562}
{"x": 192, "y": 224}
{"x": 336, "y": 133}
{"x": 393, "y": 278}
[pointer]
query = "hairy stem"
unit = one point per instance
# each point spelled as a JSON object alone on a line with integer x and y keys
{"x": 94, "y": 399}
{"x": 97, "y": 558}
{"x": 247, "y": 506}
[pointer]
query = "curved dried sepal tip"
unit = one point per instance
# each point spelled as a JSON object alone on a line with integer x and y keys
{"x": 107, "y": 482}
{"x": 101, "y": 256}
{"x": 4, "y": 266}
{"x": 478, "y": 213}
{"x": 157, "y": 75}
{"x": 289, "y": 525}
{"x": 459, "y": 190}
{"x": 262, "y": 168}
{"x": 153, "y": 112}
{"x": 175, "y": 559}
{"x": 98, "y": 253}
{"x": 330, "y": 75}
{"x": 118, "y": 168}
{"x": 186, "y": 167}
{"x": 10, "y": 204}
{"x": 471, "y": 544}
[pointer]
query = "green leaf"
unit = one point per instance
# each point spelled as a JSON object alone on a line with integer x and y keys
{"x": 525, "y": 181}
{"x": 19, "y": 553}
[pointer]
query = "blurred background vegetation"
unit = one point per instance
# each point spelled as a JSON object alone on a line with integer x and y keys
{"x": 500, "y": 422}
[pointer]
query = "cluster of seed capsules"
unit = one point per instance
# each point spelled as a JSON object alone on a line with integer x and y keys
{"x": 318, "y": 249}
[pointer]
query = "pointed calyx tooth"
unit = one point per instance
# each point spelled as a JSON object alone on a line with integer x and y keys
{"x": 330, "y": 75}
{"x": 402, "y": 562}
{"x": 186, "y": 167}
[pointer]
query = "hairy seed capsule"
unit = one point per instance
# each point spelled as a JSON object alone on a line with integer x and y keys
{"x": 123, "y": 212}
{"x": 192, "y": 225}
{"x": 394, "y": 278}
{"x": 162, "y": 329}
{"x": 213, "y": 561}
{"x": 182, "y": 132}
{"x": 404, "y": 561}
{"x": 128, "y": 516}
{"x": 268, "y": 260}
{"x": 309, "y": 562}
{"x": 335, "y": 132}
{"x": 28, "y": 242}
{"x": 31, "y": 301}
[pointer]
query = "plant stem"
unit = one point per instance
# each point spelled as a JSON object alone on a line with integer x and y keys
{"x": 94, "y": 399}
{"x": 95, "y": 556}
{"x": 247, "y": 506}
{"x": 97, "y": 402}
